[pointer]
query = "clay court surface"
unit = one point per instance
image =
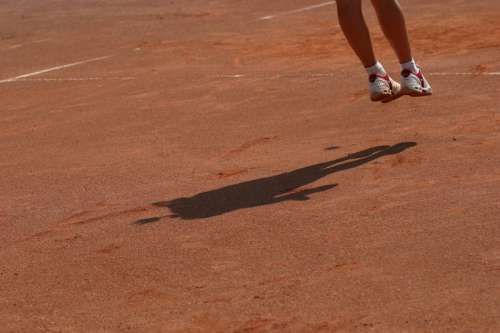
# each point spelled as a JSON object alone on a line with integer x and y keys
{"x": 217, "y": 166}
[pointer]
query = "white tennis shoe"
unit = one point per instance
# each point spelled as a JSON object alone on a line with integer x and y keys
{"x": 383, "y": 88}
{"x": 414, "y": 84}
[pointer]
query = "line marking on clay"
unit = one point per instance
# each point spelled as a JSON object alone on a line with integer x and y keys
{"x": 295, "y": 11}
{"x": 16, "y": 46}
{"x": 233, "y": 76}
{"x": 465, "y": 74}
{"x": 69, "y": 79}
{"x": 57, "y": 68}
{"x": 319, "y": 75}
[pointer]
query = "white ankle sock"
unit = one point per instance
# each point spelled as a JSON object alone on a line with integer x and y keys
{"x": 376, "y": 69}
{"x": 410, "y": 65}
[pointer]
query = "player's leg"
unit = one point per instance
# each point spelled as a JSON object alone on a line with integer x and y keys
{"x": 353, "y": 24}
{"x": 393, "y": 25}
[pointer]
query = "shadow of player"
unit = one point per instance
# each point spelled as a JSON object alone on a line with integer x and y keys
{"x": 269, "y": 190}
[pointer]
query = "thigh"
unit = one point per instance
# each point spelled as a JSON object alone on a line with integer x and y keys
{"x": 348, "y": 4}
{"x": 380, "y": 4}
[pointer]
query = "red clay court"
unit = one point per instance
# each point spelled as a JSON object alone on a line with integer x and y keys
{"x": 217, "y": 166}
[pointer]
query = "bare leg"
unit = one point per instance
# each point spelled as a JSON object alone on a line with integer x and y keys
{"x": 354, "y": 27}
{"x": 393, "y": 25}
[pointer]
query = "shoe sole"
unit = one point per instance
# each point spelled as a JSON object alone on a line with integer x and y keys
{"x": 415, "y": 93}
{"x": 392, "y": 98}
{"x": 402, "y": 93}
{"x": 386, "y": 98}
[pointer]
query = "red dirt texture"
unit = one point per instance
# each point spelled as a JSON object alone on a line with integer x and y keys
{"x": 196, "y": 168}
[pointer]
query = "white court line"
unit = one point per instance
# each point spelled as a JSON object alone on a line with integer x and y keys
{"x": 43, "y": 71}
{"x": 466, "y": 74}
{"x": 66, "y": 79}
{"x": 300, "y": 10}
{"x": 228, "y": 76}
{"x": 16, "y": 46}
{"x": 234, "y": 76}
{"x": 285, "y": 75}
